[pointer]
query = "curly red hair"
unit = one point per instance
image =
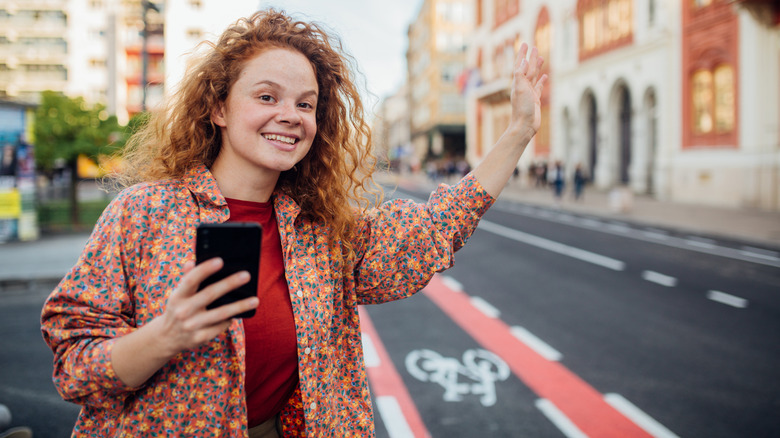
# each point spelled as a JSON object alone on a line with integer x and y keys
{"x": 333, "y": 178}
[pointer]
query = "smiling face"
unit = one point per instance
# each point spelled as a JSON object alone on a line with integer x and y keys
{"x": 268, "y": 122}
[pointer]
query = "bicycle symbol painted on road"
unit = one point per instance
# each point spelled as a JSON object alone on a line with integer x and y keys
{"x": 478, "y": 365}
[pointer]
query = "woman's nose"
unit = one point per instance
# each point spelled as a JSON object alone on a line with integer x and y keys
{"x": 288, "y": 113}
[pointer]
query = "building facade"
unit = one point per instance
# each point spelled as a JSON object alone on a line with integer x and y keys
{"x": 391, "y": 133}
{"x": 435, "y": 58}
{"x": 676, "y": 99}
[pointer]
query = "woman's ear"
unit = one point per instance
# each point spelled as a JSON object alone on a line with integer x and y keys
{"x": 218, "y": 115}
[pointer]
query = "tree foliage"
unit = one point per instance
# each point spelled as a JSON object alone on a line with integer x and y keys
{"x": 66, "y": 127}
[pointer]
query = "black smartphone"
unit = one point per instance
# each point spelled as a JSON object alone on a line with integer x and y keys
{"x": 238, "y": 243}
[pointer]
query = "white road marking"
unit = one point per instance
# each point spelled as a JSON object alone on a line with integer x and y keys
{"x": 553, "y": 246}
{"x": 760, "y": 253}
{"x": 700, "y": 242}
{"x": 452, "y": 283}
{"x": 706, "y": 246}
{"x": 638, "y": 416}
{"x": 663, "y": 280}
{"x": 657, "y": 235}
{"x": 369, "y": 352}
{"x": 536, "y": 344}
{"x": 618, "y": 227}
{"x": 393, "y": 417}
{"x": 485, "y": 307}
{"x": 559, "y": 419}
{"x": 728, "y": 299}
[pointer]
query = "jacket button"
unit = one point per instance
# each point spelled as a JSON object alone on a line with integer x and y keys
{"x": 299, "y": 293}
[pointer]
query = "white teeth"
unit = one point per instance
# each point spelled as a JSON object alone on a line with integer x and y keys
{"x": 276, "y": 137}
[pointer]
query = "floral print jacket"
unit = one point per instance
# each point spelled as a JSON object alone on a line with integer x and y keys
{"x": 134, "y": 258}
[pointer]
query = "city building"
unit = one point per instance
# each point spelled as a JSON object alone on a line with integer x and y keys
{"x": 435, "y": 59}
{"x": 675, "y": 99}
{"x": 391, "y": 135}
{"x": 18, "y": 220}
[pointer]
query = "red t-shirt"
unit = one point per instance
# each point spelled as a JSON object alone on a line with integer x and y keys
{"x": 271, "y": 344}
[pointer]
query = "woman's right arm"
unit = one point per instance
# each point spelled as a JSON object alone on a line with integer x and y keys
{"x": 95, "y": 310}
{"x": 185, "y": 324}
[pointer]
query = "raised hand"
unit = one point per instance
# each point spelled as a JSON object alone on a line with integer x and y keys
{"x": 527, "y": 85}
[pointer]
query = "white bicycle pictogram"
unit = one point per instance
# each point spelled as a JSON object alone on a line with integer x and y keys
{"x": 481, "y": 366}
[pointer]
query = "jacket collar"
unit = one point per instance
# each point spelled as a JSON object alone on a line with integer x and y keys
{"x": 201, "y": 183}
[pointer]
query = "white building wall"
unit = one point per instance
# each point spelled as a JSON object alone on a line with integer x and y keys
{"x": 88, "y": 48}
{"x": 650, "y": 68}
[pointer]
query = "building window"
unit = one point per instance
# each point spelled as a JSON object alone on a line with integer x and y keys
{"x": 604, "y": 25}
{"x": 724, "y": 98}
{"x": 713, "y": 100}
{"x": 702, "y": 101}
{"x": 504, "y": 10}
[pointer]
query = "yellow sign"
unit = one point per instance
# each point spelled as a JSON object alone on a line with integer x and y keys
{"x": 10, "y": 204}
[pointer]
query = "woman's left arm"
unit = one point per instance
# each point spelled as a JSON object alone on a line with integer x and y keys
{"x": 527, "y": 84}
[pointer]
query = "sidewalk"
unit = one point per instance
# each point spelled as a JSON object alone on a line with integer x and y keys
{"x": 48, "y": 259}
{"x": 45, "y": 260}
{"x": 755, "y": 227}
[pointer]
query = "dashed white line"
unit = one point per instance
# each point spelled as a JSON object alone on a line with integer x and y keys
{"x": 760, "y": 253}
{"x": 550, "y": 245}
{"x": 369, "y": 352}
{"x": 618, "y": 227}
{"x": 485, "y": 307}
{"x": 658, "y": 278}
{"x": 559, "y": 419}
{"x": 700, "y": 242}
{"x": 656, "y": 234}
{"x": 536, "y": 344}
{"x": 393, "y": 417}
{"x": 452, "y": 283}
{"x": 638, "y": 416}
{"x": 592, "y": 223}
{"x": 727, "y": 299}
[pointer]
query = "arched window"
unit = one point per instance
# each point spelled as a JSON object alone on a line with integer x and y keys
{"x": 604, "y": 25}
{"x": 724, "y": 98}
{"x": 702, "y": 101}
{"x": 713, "y": 100}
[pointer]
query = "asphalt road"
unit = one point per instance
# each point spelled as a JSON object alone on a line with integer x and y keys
{"x": 548, "y": 325}
{"x": 26, "y": 364}
{"x": 677, "y": 333}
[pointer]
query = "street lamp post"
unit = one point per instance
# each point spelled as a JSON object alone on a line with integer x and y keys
{"x": 147, "y": 5}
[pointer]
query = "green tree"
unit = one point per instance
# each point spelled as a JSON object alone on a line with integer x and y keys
{"x": 65, "y": 128}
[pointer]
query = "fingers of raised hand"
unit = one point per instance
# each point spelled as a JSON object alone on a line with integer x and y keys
{"x": 521, "y": 54}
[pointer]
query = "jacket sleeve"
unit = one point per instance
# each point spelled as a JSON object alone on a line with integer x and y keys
{"x": 402, "y": 244}
{"x": 91, "y": 307}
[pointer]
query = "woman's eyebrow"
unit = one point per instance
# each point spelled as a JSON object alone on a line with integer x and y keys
{"x": 272, "y": 84}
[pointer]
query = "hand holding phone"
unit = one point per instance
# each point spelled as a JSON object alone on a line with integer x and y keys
{"x": 238, "y": 244}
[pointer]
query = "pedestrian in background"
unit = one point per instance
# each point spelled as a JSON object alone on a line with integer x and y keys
{"x": 579, "y": 180}
{"x": 558, "y": 181}
{"x": 267, "y": 127}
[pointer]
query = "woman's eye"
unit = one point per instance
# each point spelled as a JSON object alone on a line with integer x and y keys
{"x": 266, "y": 98}
{"x": 305, "y": 105}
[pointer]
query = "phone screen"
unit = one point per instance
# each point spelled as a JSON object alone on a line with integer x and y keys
{"x": 238, "y": 244}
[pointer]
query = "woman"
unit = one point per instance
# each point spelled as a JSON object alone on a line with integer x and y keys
{"x": 268, "y": 127}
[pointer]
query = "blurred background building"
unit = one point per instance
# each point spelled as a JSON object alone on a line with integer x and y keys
{"x": 435, "y": 58}
{"x": 104, "y": 50}
{"x": 679, "y": 100}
